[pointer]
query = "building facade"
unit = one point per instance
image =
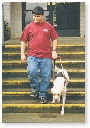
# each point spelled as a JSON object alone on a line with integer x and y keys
{"x": 68, "y": 18}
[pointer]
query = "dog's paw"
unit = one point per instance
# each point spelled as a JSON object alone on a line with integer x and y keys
{"x": 62, "y": 113}
{"x": 53, "y": 102}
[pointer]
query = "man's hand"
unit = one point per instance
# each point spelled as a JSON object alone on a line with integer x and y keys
{"x": 23, "y": 58}
{"x": 54, "y": 54}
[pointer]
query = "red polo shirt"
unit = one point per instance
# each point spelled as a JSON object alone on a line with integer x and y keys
{"x": 38, "y": 36}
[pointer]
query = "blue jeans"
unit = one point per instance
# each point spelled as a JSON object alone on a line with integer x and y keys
{"x": 39, "y": 80}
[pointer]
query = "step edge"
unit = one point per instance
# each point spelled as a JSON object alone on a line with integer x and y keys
{"x": 63, "y": 61}
{"x": 65, "y": 52}
{"x": 59, "y": 45}
{"x": 20, "y": 81}
{"x": 42, "y": 105}
{"x": 27, "y": 93}
{"x": 24, "y": 70}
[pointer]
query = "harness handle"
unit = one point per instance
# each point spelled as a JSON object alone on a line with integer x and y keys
{"x": 54, "y": 64}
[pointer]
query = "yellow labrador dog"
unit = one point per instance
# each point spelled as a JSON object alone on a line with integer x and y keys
{"x": 60, "y": 87}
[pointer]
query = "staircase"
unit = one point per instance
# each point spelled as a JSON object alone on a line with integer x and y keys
{"x": 15, "y": 85}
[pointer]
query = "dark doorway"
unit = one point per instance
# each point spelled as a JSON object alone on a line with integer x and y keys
{"x": 65, "y": 16}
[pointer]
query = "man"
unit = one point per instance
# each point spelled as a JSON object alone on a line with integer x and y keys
{"x": 39, "y": 34}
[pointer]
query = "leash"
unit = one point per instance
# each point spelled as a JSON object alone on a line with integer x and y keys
{"x": 53, "y": 67}
{"x": 61, "y": 61}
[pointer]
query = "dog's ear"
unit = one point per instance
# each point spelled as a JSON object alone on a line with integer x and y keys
{"x": 52, "y": 90}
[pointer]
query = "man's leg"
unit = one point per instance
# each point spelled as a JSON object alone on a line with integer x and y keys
{"x": 45, "y": 73}
{"x": 32, "y": 71}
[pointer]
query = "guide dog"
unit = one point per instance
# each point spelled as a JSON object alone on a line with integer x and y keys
{"x": 60, "y": 86}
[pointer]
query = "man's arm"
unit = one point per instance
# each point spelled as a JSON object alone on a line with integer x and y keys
{"x": 54, "y": 45}
{"x": 23, "y": 57}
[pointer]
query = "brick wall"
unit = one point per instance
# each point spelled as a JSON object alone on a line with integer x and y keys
{"x": 6, "y": 9}
{"x": 13, "y": 15}
{"x": 16, "y": 19}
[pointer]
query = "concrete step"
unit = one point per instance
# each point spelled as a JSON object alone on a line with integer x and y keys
{"x": 13, "y": 73}
{"x": 24, "y": 70}
{"x": 42, "y": 108}
{"x": 46, "y": 118}
{"x": 24, "y": 82}
{"x": 8, "y": 64}
{"x": 60, "y": 48}
{"x": 36, "y": 101}
{"x": 8, "y": 95}
{"x": 28, "y": 89}
{"x": 61, "y": 40}
{"x": 24, "y": 94}
{"x": 64, "y": 55}
{"x": 71, "y": 40}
